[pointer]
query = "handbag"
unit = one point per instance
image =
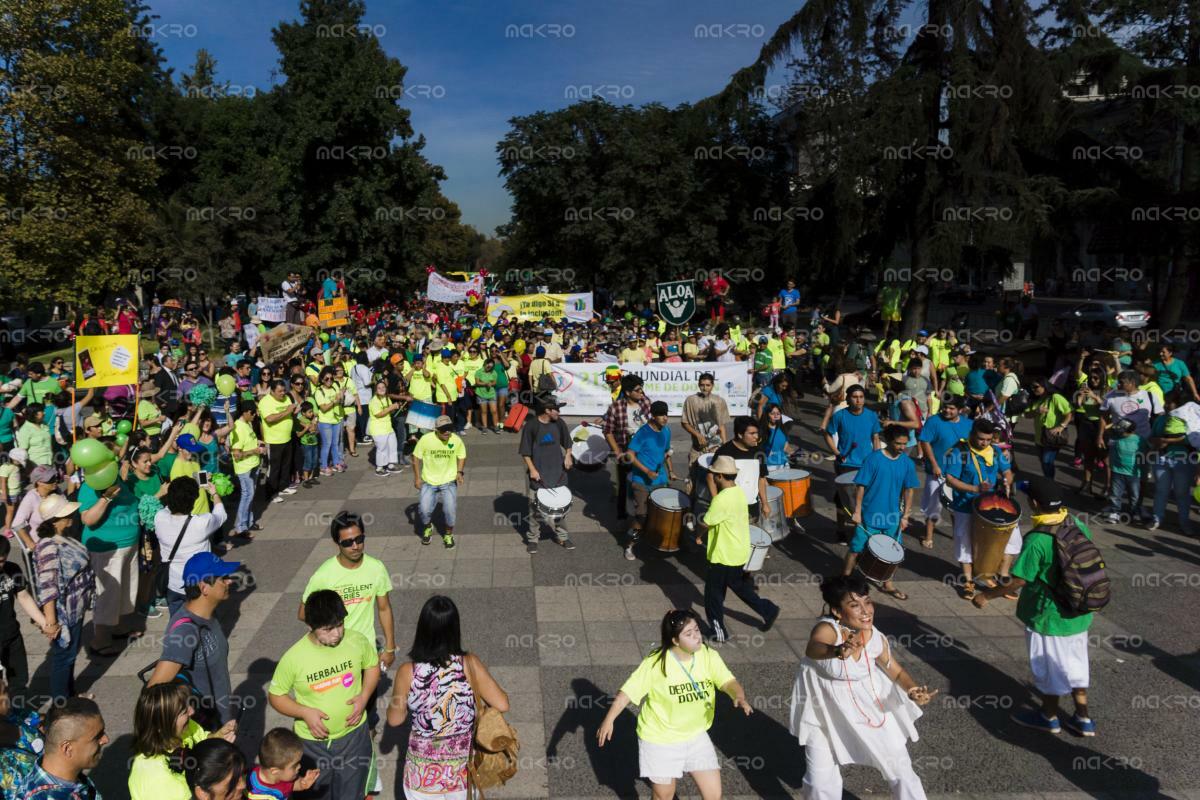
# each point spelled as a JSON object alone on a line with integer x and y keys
{"x": 1052, "y": 440}
{"x": 494, "y": 750}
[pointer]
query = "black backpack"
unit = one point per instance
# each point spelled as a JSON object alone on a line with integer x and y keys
{"x": 1083, "y": 585}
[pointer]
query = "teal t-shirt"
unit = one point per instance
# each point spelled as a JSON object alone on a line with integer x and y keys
{"x": 119, "y": 526}
{"x": 7, "y": 417}
{"x": 1123, "y": 454}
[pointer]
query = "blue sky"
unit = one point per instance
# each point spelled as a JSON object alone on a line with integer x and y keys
{"x": 468, "y": 74}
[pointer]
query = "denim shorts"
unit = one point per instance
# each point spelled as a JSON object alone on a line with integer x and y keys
{"x": 311, "y": 454}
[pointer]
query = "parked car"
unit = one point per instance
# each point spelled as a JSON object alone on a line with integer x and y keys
{"x": 1113, "y": 313}
{"x": 21, "y": 331}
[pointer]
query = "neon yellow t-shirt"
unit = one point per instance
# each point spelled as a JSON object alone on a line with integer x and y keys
{"x": 447, "y": 388}
{"x": 778, "y": 357}
{"x": 420, "y": 387}
{"x": 357, "y": 587}
{"x": 278, "y": 432}
{"x": 147, "y": 410}
{"x": 150, "y": 778}
{"x": 325, "y": 678}
{"x": 244, "y": 438}
{"x": 379, "y": 426}
{"x": 191, "y": 469}
{"x": 439, "y": 462}
{"x": 324, "y": 396}
{"x": 672, "y": 710}
{"x": 728, "y": 521}
{"x": 471, "y": 365}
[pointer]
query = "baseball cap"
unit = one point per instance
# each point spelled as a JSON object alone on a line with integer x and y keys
{"x": 447, "y": 352}
{"x": 187, "y": 441}
{"x": 205, "y": 566}
{"x": 540, "y": 351}
{"x": 18, "y": 455}
{"x": 443, "y": 423}
{"x": 44, "y": 474}
{"x": 548, "y": 332}
{"x": 922, "y": 332}
{"x": 1043, "y": 491}
{"x": 92, "y": 421}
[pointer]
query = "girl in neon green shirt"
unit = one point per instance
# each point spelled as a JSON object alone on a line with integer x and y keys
{"x": 162, "y": 723}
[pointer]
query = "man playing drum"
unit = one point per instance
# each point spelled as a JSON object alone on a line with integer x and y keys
{"x": 649, "y": 455}
{"x": 939, "y": 433}
{"x": 546, "y": 449}
{"x": 728, "y": 521}
{"x": 887, "y": 484}
{"x": 705, "y": 419}
{"x": 851, "y": 435}
{"x": 628, "y": 412}
{"x": 972, "y": 468}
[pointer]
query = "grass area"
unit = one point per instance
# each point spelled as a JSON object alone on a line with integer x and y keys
{"x": 148, "y": 345}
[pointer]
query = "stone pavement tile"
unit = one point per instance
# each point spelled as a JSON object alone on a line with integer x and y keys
{"x": 609, "y": 631}
{"x": 559, "y": 644}
{"x": 996, "y": 626}
{"x": 627, "y": 652}
{"x": 558, "y": 604}
{"x": 600, "y": 604}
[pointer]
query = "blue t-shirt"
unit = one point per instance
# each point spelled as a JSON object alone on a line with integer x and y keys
{"x": 854, "y": 432}
{"x": 772, "y": 396}
{"x": 977, "y": 382}
{"x": 790, "y": 299}
{"x": 960, "y": 462}
{"x": 942, "y": 435}
{"x": 885, "y": 480}
{"x": 773, "y": 447}
{"x": 650, "y": 447}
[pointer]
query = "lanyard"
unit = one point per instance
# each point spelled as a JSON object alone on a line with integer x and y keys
{"x": 695, "y": 685}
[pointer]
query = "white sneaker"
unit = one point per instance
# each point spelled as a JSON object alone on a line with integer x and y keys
{"x": 290, "y": 490}
{"x": 277, "y": 499}
{"x": 629, "y": 556}
{"x": 467, "y": 427}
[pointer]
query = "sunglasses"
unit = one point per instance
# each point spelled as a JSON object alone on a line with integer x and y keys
{"x": 356, "y": 540}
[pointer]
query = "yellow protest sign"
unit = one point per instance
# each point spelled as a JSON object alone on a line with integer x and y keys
{"x": 106, "y": 361}
{"x": 333, "y": 312}
{"x": 577, "y": 307}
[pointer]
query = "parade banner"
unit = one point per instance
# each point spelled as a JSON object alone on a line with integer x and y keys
{"x": 272, "y": 309}
{"x": 106, "y": 361}
{"x": 676, "y": 301}
{"x": 444, "y": 290}
{"x": 281, "y": 341}
{"x": 575, "y": 307}
{"x": 333, "y": 312}
{"x": 582, "y": 390}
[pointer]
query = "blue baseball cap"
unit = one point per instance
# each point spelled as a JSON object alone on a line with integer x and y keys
{"x": 205, "y": 566}
{"x": 922, "y": 332}
{"x": 188, "y": 442}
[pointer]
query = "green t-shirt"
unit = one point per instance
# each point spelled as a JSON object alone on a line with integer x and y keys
{"x": 165, "y": 465}
{"x": 275, "y": 432}
{"x": 471, "y": 367}
{"x": 1167, "y": 425}
{"x": 439, "y": 462}
{"x": 39, "y": 391}
{"x": 728, "y": 521}
{"x": 763, "y": 361}
{"x": 444, "y": 375}
{"x": 141, "y": 487}
{"x": 119, "y": 525}
{"x": 672, "y": 710}
{"x": 310, "y": 438}
{"x": 7, "y": 418}
{"x": 36, "y": 441}
{"x": 1036, "y": 607}
{"x": 147, "y": 410}
{"x": 151, "y": 778}
{"x": 1048, "y": 412}
{"x": 420, "y": 387}
{"x": 484, "y": 382}
{"x": 325, "y": 678}
{"x": 1171, "y": 375}
{"x": 775, "y": 350}
{"x": 357, "y": 587}
{"x": 243, "y": 437}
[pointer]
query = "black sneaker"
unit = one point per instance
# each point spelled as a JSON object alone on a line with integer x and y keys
{"x": 567, "y": 543}
{"x": 531, "y": 548}
{"x": 770, "y": 618}
{"x": 718, "y": 634}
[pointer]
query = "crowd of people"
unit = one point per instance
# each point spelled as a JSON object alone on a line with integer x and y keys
{"x": 206, "y": 441}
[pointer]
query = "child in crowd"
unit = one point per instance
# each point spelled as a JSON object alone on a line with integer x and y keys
{"x": 306, "y": 430}
{"x": 278, "y": 772}
{"x": 1126, "y": 452}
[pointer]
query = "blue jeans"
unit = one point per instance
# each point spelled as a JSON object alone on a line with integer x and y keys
{"x": 331, "y": 445}
{"x": 429, "y": 498}
{"x": 1125, "y": 487}
{"x": 62, "y": 663}
{"x": 247, "y": 482}
{"x": 1174, "y": 477}
{"x": 1047, "y": 458}
{"x": 311, "y": 457}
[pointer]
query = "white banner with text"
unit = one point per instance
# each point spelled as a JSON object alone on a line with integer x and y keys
{"x": 583, "y": 392}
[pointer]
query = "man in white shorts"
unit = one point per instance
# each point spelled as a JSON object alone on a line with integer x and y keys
{"x": 939, "y": 434}
{"x": 1058, "y": 643}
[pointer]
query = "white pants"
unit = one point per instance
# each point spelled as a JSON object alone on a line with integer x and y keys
{"x": 931, "y": 497}
{"x": 1059, "y": 663}
{"x": 385, "y": 449}
{"x": 823, "y": 777}
{"x": 962, "y": 538}
{"x": 116, "y": 584}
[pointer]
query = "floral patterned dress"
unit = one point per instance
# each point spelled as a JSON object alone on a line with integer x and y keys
{"x": 442, "y": 707}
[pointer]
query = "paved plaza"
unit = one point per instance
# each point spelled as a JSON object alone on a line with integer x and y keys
{"x": 562, "y": 630}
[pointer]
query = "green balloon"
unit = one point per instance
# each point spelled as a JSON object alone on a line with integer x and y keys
{"x": 121, "y": 439}
{"x": 124, "y": 426}
{"x": 89, "y": 453}
{"x": 324, "y": 337}
{"x": 101, "y": 478}
{"x": 226, "y": 385}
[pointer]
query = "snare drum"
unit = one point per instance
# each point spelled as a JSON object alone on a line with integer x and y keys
{"x": 553, "y": 504}
{"x": 422, "y": 415}
{"x": 664, "y": 520}
{"x": 881, "y": 558}
{"x": 589, "y": 448}
{"x": 701, "y": 497}
{"x": 760, "y": 543}
{"x": 794, "y": 484}
{"x": 774, "y": 519}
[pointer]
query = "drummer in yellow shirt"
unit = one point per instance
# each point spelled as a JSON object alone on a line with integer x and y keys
{"x": 728, "y": 521}
{"x": 676, "y": 687}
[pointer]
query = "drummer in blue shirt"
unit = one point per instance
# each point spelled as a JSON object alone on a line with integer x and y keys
{"x": 974, "y": 467}
{"x": 939, "y": 433}
{"x": 649, "y": 454}
{"x": 851, "y": 435}
{"x": 887, "y": 484}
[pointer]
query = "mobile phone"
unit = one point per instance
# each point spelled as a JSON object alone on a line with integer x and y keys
{"x": 85, "y": 364}
{"x": 202, "y": 478}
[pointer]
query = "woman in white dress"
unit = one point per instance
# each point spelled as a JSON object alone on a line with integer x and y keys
{"x": 852, "y": 702}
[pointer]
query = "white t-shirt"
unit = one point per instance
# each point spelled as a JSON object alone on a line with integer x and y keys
{"x": 288, "y": 288}
{"x": 197, "y": 538}
{"x": 1138, "y": 408}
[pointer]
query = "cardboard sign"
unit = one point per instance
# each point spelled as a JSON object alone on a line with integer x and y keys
{"x": 333, "y": 312}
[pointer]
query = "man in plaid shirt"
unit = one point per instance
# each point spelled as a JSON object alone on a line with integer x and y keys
{"x": 75, "y": 737}
{"x": 627, "y": 413}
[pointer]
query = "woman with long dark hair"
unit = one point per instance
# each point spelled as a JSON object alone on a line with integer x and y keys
{"x": 215, "y": 770}
{"x": 773, "y": 439}
{"x": 440, "y": 688}
{"x": 1051, "y": 414}
{"x": 672, "y": 726}
{"x": 852, "y": 702}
